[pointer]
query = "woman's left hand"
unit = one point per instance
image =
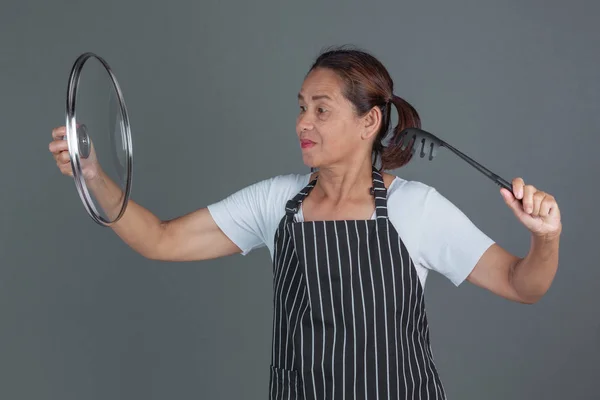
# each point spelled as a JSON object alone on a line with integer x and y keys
{"x": 538, "y": 212}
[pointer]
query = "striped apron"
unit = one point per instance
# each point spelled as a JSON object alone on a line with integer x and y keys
{"x": 349, "y": 315}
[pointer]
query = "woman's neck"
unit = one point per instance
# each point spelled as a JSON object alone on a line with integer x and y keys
{"x": 339, "y": 183}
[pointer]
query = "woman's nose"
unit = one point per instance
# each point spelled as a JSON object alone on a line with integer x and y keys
{"x": 304, "y": 123}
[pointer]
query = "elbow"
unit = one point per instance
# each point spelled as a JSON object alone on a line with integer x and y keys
{"x": 533, "y": 297}
{"x": 153, "y": 256}
{"x": 530, "y": 292}
{"x": 150, "y": 254}
{"x": 155, "y": 249}
{"x": 529, "y": 300}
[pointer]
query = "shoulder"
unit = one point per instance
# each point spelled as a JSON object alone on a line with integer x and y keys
{"x": 277, "y": 191}
{"x": 250, "y": 215}
{"x": 262, "y": 195}
{"x": 419, "y": 202}
{"x": 286, "y": 186}
{"x": 407, "y": 201}
{"x": 409, "y": 209}
{"x": 278, "y": 186}
{"x": 401, "y": 190}
{"x": 270, "y": 204}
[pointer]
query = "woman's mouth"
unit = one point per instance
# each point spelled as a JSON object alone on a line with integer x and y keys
{"x": 305, "y": 143}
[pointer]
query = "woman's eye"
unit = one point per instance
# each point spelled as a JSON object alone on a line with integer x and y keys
{"x": 320, "y": 110}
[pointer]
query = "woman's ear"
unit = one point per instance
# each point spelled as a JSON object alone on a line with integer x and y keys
{"x": 372, "y": 122}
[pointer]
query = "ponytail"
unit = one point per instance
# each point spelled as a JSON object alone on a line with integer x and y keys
{"x": 392, "y": 155}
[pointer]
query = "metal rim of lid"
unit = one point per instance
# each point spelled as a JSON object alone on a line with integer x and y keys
{"x": 73, "y": 145}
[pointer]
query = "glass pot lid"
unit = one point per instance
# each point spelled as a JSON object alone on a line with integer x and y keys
{"x": 99, "y": 139}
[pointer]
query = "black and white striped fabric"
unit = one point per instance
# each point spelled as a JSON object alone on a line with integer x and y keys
{"x": 349, "y": 316}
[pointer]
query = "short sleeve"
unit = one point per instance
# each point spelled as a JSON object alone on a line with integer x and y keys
{"x": 250, "y": 216}
{"x": 242, "y": 215}
{"x": 450, "y": 243}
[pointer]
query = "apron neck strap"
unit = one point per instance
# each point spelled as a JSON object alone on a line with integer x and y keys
{"x": 293, "y": 205}
{"x": 378, "y": 190}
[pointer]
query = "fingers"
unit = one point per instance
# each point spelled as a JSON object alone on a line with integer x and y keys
{"x": 512, "y": 202}
{"x": 528, "y": 198}
{"x": 58, "y": 133}
{"x": 62, "y": 157}
{"x": 547, "y": 205}
{"x": 518, "y": 184}
{"x": 535, "y": 202}
{"x": 60, "y": 151}
{"x": 57, "y": 146}
{"x": 538, "y": 198}
{"x": 66, "y": 169}
{"x": 63, "y": 162}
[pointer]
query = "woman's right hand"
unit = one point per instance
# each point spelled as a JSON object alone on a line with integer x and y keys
{"x": 60, "y": 151}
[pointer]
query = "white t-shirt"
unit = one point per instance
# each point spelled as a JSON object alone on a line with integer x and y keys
{"x": 437, "y": 235}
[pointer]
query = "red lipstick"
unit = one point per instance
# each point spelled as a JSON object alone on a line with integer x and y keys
{"x": 305, "y": 143}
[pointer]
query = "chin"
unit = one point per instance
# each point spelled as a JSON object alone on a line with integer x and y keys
{"x": 309, "y": 162}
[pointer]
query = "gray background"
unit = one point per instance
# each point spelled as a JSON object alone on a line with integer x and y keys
{"x": 211, "y": 91}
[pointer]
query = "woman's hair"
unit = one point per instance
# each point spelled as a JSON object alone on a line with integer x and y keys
{"x": 368, "y": 84}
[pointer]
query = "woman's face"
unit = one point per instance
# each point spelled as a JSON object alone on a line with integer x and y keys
{"x": 328, "y": 128}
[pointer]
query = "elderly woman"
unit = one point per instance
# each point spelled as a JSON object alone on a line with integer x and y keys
{"x": 351, "y": 245}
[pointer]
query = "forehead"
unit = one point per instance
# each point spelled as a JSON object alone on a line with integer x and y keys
{"x": 321, "y": 82}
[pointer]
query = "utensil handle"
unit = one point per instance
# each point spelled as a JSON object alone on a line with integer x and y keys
{"x": 493, "y": 176}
